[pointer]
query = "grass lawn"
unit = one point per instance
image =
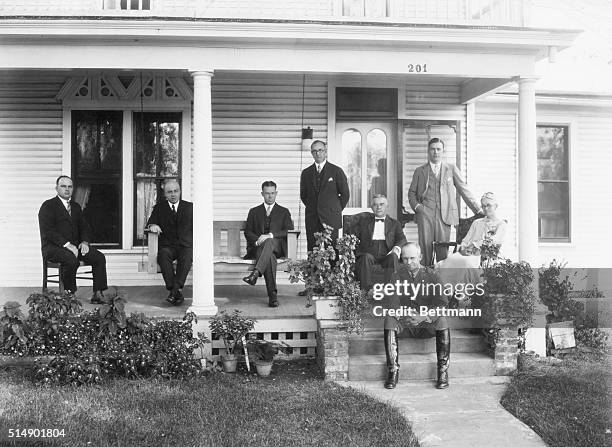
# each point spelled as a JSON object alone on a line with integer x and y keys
{"x": 567, "y": 404}
{"x": 292, "y": 407}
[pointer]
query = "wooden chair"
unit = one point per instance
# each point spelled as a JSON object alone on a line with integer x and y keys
{"x": 461, "y": 232}
{"x": 56, "y": 265}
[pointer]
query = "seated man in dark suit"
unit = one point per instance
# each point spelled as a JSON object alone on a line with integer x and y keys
{"x": 417, "y": 326}
{"x": 266, "y": 235}
{"x": 65, "y": 237}
{"x": 380, "y": 240}
{"x": 172, "y": 218}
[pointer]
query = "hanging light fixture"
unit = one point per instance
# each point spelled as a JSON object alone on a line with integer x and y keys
{"x": 306, "y": 132}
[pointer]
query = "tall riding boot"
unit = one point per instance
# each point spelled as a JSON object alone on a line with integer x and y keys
{"x": 443, "y": 354}
{"x": 392, "y": 351}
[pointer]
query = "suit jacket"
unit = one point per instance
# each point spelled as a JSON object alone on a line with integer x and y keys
{"x": 280, "y": 223}
{"x": 175, "y": 232}
{"x": 58, "y": 227}
{"x": 364, "y": 230}
{"x": 451, "y": 181}
{"x": 327, "y": 203}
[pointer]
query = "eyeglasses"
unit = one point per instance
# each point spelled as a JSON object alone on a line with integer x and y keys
{"x": 314, "y": 151}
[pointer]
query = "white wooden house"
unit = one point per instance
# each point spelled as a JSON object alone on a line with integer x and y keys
{"x": 219, "y": 92}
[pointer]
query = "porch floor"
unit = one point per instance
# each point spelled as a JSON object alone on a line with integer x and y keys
{"x": 151, "y": 300}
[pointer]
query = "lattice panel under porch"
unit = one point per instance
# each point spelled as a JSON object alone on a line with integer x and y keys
{"x": 302, "y": 343}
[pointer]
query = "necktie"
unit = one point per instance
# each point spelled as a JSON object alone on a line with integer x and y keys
{"x": 69, "y": 209}
{"x": 382, "y": 219}
{"x": 268, "y": 209}
{"x": 318, "y": 169}
{"x": 173, "y": 209}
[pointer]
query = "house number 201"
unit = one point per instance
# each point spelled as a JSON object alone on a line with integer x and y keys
{"x": 417, "y": 68}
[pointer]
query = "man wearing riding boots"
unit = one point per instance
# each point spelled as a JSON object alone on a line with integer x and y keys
{"x": 417, "y": 326}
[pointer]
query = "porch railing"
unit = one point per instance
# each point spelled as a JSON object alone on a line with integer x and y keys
{"x": 453, "y": 12}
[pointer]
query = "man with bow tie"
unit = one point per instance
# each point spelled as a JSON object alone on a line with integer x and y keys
{"x": 324, "y": 191}
{"x": 380, "y": 241}
{"x": 65, "y": 237}
{"x": 266, "y": 235}
{"x": 433, "y": 197}
{"x": 172, "y": 218}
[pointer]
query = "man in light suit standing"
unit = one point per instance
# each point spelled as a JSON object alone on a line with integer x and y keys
{"x": 433, "y": 197}
{"x": 324, "y": 191}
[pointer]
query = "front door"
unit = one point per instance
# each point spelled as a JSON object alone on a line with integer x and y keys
{"x": 368, "y": 154}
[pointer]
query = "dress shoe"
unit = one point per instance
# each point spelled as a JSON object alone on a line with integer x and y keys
{"x": 171, "y": 298}
{"x": 392, "y": 378}
{"x": 252, "y": 278}
{"x": 97, "y": 297}
{"x": 178, "y": 297}
{"x": 273, "y": 301}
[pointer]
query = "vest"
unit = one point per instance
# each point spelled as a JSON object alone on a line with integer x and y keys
{"x": 431, "y": 198}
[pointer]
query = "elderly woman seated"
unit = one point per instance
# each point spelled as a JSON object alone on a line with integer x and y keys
{"x": 484, "y": 235}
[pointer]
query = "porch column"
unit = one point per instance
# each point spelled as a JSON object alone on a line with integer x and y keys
{"x": 203, "y": 255}
{"x": 527, "y": 173}
{"x": 535, "y": 338}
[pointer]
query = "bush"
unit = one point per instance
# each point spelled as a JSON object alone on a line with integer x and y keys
{"x": 88, "y": 346}
{"x": 555, "y": 294}
{"x": 509, "y": 299}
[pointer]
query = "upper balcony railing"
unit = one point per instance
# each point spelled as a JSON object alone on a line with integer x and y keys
{"x": 452, "y": 12}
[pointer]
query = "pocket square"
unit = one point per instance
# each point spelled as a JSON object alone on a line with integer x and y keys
{"x": 330, "y": 179}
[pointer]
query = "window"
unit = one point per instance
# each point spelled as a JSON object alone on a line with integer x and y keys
{"x": 366, "y": 170}
{"x": 135, "y": 5}
{"x": 553, "y": 183}
{"x": 157, "y": 148}
{"x": 366, "y": 104}
{"x": 97, "y": 165}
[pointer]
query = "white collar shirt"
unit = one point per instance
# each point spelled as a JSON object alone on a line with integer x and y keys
{"x": 64, "y": 202}
{"x": 435, "y": 167}
{"x": 379, "y": 230}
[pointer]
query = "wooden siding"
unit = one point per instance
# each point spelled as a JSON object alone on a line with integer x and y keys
{"x": 30, "y": 161}
{"x": 257, "y": 137}
{"x": 493, "y": 165}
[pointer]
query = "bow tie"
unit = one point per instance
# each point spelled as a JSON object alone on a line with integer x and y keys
{"x": 379, "y": 219}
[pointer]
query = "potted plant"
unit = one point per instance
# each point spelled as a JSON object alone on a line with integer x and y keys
{"x": 328, "y": 275}
{"x": 263, "y": 352}
{"x": 231, "y": 328}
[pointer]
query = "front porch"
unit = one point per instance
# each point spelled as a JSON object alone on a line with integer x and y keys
{"x": 291, "y": 322}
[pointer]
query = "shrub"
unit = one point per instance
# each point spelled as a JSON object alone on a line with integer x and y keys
{"x": 89, "y": 346}
{"x": 555, "y": 294}
{"x": 13, "y": 340}
{"x": 509, "y": 299}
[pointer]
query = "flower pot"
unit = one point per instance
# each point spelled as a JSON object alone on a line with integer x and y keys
{"x": 263, "y": 367}
{"x": 229, "y": 363}
{"x": 326, "y": 307}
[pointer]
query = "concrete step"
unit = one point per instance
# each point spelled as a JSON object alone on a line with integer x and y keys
{"x": 453, "y": 323}
{"x": 421, "y": 366}
{"x": 372, "y": 343}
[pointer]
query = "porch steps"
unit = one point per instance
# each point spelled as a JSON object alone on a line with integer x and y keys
{"x": 421, "y": 366}
{"x": 371, "y": 343}
{"x": 417, "y": 357}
